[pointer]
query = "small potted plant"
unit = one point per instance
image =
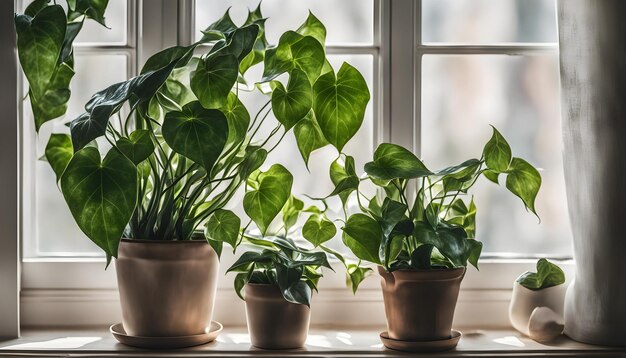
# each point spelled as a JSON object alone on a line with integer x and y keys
{"x": 536, "y": 308}
{"x": 141, "y": 185}
{"x": 421, "y": 233}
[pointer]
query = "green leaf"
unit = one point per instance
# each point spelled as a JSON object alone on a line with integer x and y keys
{"x": 343, "y": 176}
{"x": 197, "y": 133}
{"x": 217, "y": 246}
{"x": 492, "y": 176}
{"x": 255, "y": 157}
{"x": 310, "y": 258}
{"x": 299, "y": 293}
{"x": 258, "y": 49}
{"x": 39, "y": 43}
{"x": 72, "y": 30}
{"x": 313, "y": 27}
{"x": 213, "y": 79}
{"x": 420, "y": 258}
{"x": 309, "y": 136}
{"x": 248, "y": 258}
{"x": 524, "y": 181}
{"x": 238, "y": 119}
{"x": 225, "y": 24}
{"x": 93, "y": 9}
{"x": 241, "y": 41}
{"x": 363, "y": 236}
{"x": 137, "y": 147}
{"x": 101, "y": 195}
{"x": 339, "y": 104}
{"x": 294, "y": 51}
{"x": 58, "y": 152}
{"x": 392, "y": 161}
{"x": 450, "y": 241}
{"x": 240, "y": 281}
{"x": 355, "y": 275}
{"x": 56, "y": 97}
{"x": 292, "y": 104}
{"x": 291, "y": 211}
{"x": 223, "y": 225}
{"x": 265, "y": 202}
{"x": 547, "y": 275}
{"x": 34, "y": 7}
{"x": 497, "y": 152}
{"x": 475, "y": 251}
{"x": 317, "y": 230}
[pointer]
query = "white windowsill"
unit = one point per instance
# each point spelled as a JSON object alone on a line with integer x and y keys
{"x": 234, "y": 341}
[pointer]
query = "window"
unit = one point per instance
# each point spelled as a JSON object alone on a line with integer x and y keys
{"x": 439, "y": 72}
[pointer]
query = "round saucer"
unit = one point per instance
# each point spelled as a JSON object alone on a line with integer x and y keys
{"x": 166, "y": 342}
{"x": 421, "y": 346}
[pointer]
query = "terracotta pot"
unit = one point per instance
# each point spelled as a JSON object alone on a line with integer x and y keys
{"x": 524, "y": 301}
{"x": 273, "y": 322}
{"x": 167, "y": 288}
{"x": 420, "y": 304}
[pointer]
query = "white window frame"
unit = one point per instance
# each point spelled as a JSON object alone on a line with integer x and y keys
{"x": 62, "y": 291}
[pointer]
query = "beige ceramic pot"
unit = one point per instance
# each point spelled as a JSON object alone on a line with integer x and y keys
{"x": 167, "y": 288}
{"x": 420, "y": 304}
{"x": 273, "y": 322}
{"x": 548, "y": 322}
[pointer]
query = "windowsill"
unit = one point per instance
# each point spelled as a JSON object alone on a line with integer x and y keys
{"x": 234, "y": 341}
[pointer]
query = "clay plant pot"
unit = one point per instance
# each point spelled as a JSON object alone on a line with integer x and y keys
{"x": 419, "y": 304}
{"x": 167, "y": 288}
{"x": 273, "y": 322}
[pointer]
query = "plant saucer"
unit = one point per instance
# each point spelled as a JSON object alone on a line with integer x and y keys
{"x": 209, "y": 335}
{"x": 421, "y": 346}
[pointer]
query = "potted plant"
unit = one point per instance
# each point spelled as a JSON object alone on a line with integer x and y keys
{"x": 141, "y": 185}
{"x": 536, "y": 308}
{"x": 421, "y": 233}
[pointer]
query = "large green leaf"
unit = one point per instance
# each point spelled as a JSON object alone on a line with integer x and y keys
{"x": 39, "y": 43}
{"x": 137, "y": 147}
{"x": 58, "y": 152}
{"x": 35, "y": 6}
{"x": 294, "y": 51}
{"x": 238, "y": 119}
{"x": 313, "y": 27}
{"x": 363, "y": 236}
{"x": 241, "y": 41}
{"x": 258, "y": 49}
{"x": 255, "y": 157}
{"x": 547, "y": 275}
{"x": 317, "y": 230}
{"x": 309, "y": 136}
{"x": 53, "y": 103}
{"x": 392, "y": 161}
{"x": 451, "y": 242}
{"x": 101, "y": 195}
{"x": 197, "y": 133}
{"x": 293, "y": 289}
{"x": 339, "y": 104}
{"x": 524, "y": 181}
{"x": 223, "y": 225}
{"x": 265, "y": 202}
{"x": 292, "y": 104}
{"x": 72, "y": 30}
{"x": 213, "y": 79}
{"x": 497, "y": 152}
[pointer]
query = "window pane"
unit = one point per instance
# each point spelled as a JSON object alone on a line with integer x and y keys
{"x": 116, "y": 18}
{"x": 346, "y": 21}
{"x": 488, "y": 21}
{"x": 56, "y": 230}
{"x": 461, "y": 96}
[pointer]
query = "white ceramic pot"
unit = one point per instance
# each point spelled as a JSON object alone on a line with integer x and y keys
{"x": 545, "y": 306}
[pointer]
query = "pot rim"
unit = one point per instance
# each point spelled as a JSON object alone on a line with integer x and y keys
{"x": 546, "y": 289}
{"x": 425, "y": 275}
{"x": 170, "y": 242}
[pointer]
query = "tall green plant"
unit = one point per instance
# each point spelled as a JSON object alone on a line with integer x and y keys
{"x": 189, "y": 144}
{"x": 436, "y": 228}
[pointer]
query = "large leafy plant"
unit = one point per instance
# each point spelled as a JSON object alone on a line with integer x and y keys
{"x": 436, "y": 228}
{"x": 160, "y": 155}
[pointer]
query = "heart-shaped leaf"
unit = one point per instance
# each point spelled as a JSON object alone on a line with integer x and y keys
{"x": 497, "y": 152}
{"x": 258, "y": 49}
{"x": 392, "y": 161}
{"x": 309, "y": 136}
{"x": 363, "y": 236}
{"x": 238, "y": 119}
{"x": 292, "y": 104}
{"x": 223, "y": 225}
{"x": 547, "y": 275}
{"x": 213, "y": 79}
{"x": 255, "y": 157}
{"x": 294, "y": 51}
{"x": 197, "y": 133}
{"x": 313, "y": 27}
{"x": 524, "y": 181}
{"x": 101, "y": 195}
{"x": 291, "y": 212}
{"x": 137, "y": 147}
{"x": 58, "y": 152}
{"x": 93, "y": 9}
{"x": 265, "y": 202}
{"x": 451, "y": 242}
{"x": 343, "y": 176}
{"x": 339, "y": 104}
{"x": 317, "y": 230}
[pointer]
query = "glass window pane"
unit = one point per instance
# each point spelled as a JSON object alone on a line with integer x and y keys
{"x": 461, "y": 96}
{"x": 116, "y": 18}
{"x": 346, "y": 21}
{"x": 56, "y": 230}
{"x": 488, "y": 21}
